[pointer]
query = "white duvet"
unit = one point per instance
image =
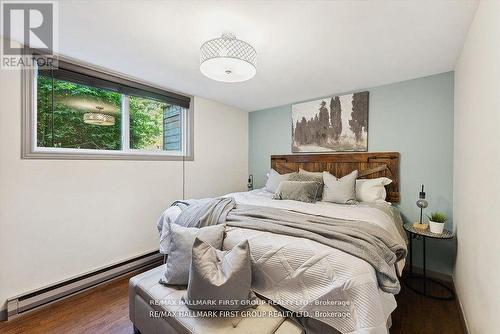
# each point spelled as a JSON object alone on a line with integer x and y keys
{"x": 324, "y": 283}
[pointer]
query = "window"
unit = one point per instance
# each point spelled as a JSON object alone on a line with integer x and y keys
{"x": 78, "y": 112}
{"x": 71, "y": 115}
{"x": 147, "y": 128}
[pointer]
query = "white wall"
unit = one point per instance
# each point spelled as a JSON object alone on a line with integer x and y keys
{"x": 477, "y": 171}
{"x": 62, "y": 218}
{"x": 221, "y": 142}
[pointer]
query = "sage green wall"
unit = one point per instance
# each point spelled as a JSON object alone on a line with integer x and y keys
{"x": 413, "y": 117}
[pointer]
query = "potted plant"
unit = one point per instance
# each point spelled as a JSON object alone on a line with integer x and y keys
{"x": 436, "y": 222}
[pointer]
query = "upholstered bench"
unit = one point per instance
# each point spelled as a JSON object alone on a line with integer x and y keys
{"x": 150, "y": 303}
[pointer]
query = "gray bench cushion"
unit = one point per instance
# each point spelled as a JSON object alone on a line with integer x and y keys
{"x": 145, "y": 289}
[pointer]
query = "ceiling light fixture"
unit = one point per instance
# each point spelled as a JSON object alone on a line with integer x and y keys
{"x": 228, "y": 59}
{"x": 98, "y": 118}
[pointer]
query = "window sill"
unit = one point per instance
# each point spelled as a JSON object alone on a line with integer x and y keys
{"x": 86, "y": 154}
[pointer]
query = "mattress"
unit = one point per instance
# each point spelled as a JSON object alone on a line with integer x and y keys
{"x": 310, "y": 278}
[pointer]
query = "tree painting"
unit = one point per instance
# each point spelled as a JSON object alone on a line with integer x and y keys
{"x": 359, "y": 115}
{"x": 337, "y": 123}
{"x": 323, "y": 123}
{"x": 336, "y": 117}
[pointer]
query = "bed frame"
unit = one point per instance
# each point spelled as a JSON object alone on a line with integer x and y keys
{"x": 369, "y": 164}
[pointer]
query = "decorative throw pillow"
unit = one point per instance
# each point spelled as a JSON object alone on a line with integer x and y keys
{"x": 274, "y": 179}
{"x": 342, "y": 191}
{"x": 372, "y": 190}
{"x": 304, "y": 191}
{"x": 304, "y": 175}
{"x": 220, "y": 280}
{"x": 317, "y": 175}
{"x": 181, "y": 245}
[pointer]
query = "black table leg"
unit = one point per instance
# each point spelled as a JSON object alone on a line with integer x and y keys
{"x": 425, "y": 278}
{"x": 414, "y": 277}
{"x": 411, "y": 255}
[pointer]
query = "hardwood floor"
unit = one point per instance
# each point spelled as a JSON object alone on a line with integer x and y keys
{"x": 105, "y": 310}
{"x": 417, "y": 314}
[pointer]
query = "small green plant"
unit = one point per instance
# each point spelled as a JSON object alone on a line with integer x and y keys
{"x": 437, "y": 217}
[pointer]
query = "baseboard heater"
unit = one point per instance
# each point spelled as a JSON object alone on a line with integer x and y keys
{"x": 35, "y": 299}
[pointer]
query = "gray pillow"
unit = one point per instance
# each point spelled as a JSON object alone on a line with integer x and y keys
{"x": 274, "y": 179}
{"x": 304, "y": 191}
{"x": 318, "y": 175}
{"x": 342, "y": 191}
{"x": 181, "y": 245}
{"x": 220, "y": 280}
{"x": 304, "y": 175}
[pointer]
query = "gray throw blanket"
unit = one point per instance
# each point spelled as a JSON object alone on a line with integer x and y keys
{"x": 368, "y": 242}
{"x": 204, "y": 212}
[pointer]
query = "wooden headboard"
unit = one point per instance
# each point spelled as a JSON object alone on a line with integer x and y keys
{"x": 370, "y": 166}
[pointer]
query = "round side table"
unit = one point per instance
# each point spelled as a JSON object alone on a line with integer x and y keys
{"x": 423, "y": 234}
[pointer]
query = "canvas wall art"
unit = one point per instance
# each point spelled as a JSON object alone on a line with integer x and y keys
{"x": 337, "y": 123}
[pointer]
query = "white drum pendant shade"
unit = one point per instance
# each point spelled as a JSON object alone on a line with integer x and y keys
{"x": 228, "y": 59}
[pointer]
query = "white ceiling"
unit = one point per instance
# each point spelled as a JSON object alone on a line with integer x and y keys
{"x": 306, "y": 49}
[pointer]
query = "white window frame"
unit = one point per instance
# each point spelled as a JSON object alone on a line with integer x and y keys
{"x": 30, "y": 149}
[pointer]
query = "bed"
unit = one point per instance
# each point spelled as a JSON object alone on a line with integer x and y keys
{"x": 337, "y": 291}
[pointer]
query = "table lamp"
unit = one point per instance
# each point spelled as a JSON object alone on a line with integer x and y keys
{"x": 422, "y": 204}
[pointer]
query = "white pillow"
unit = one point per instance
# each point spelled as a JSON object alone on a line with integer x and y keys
{"x": 341, "y": 191}
{"x": 372, "y": 190}
{"x": 274, "y": 179}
